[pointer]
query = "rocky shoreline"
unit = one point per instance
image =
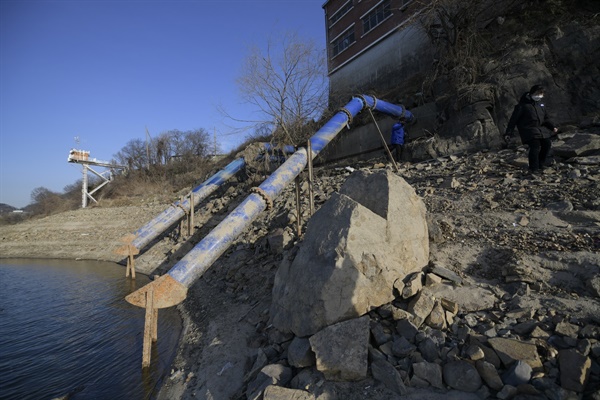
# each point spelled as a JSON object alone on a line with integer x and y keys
{"x": 510, "y": 295}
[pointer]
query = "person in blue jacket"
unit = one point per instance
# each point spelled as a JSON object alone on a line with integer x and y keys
{"x": 398, "y": 136}
{"x": 530, "y": 118}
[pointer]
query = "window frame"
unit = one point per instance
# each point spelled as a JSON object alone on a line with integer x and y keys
{"x": 339, "y": 38}
{"x": 373, "y": 11}
{"x": 339, "y": 14}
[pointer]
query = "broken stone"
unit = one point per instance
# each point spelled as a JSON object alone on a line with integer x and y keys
{"x": 489, "y": 374}
{"x": 428, "y": 350}
{"x": 300, "y": 354}
{"x": 574, "y": 370}
{"x": 432, "y": 279}
{"x": 341, "y": 350}
{"x": 407, "y": 329}
{"x": 402, "y": 347}
{"x": 437, "y": 317}
{"x": 280, "y": 393}
{"x": 507, "y": 392}
{"x": 519, "y": 373}
{"x": 510, "y": 351}
{"x": 565, "y": 328}
{"x": 413, "y": 285}
{"x": 429, "y": 372}
{"x": 461, "y": 375}
{"x": 450, "y": 306}
{"x": 421, "y": 307}
{"x": 385, "y": 372}
{"x": 445, "y": 273}
{"x": 273, "y": 374}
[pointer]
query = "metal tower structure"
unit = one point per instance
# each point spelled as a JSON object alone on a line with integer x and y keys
{"x": 83, "y": 157}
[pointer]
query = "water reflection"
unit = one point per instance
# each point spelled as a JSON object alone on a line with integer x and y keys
{"x": 66, "y": 328}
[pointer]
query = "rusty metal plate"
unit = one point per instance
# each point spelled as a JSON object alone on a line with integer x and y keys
{"x": 127, "y": 250}
{"x": 167, "y": 293}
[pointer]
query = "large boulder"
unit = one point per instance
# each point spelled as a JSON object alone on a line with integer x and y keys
{"x": 356, "y": 246}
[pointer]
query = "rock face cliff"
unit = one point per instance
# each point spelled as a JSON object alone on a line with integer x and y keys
{"x": 476, "y": 82}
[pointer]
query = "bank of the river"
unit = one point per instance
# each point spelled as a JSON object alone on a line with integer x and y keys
{"x": 92, "y": 233}
{"x": 483, "y": 211}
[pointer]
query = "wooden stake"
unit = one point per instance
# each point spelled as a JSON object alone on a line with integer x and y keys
{"x": 191, "y": 217}
{"x": 311, "y": 194}
{"x": 298, "y": 230}
{"x": 181, "y": 222}
{"x": 149, "y": 323}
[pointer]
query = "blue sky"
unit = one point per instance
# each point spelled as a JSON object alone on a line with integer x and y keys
{"x": 104, "y": 70}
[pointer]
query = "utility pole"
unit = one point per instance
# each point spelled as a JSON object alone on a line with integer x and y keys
{"x": 215, "y": 140}
{"x": 148, "y": 148}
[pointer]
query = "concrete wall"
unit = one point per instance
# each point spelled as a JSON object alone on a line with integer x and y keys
{"x": 385, "y": 66}
{"x": 364, "y": 142}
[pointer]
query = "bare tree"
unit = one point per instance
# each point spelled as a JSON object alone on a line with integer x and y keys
{"x": 287, "y": 85}
{"x": 133, "y": 154}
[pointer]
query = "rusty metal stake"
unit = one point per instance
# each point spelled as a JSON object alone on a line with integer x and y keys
{"x": 298, "y": 229}
{"x": 311, "y": 194}
{"x": 385, "y": 146}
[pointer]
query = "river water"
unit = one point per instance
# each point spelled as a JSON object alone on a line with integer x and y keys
{"x": 65, "y": 329}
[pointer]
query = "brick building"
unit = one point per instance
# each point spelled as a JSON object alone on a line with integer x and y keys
{"x": 372, "y": 45}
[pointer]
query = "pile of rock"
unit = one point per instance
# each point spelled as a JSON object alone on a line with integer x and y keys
{"x": 506, "y": 305}
{"x": 442, "y": 334}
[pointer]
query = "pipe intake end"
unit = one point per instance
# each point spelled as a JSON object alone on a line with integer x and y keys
{"x": 166, "y": 292}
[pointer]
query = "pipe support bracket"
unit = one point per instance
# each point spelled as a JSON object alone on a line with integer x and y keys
{"x": 264, "y": 195}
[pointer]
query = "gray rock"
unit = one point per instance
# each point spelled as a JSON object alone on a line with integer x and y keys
{"x": 461, "y": 375}
{"x": 384, "y": 372}
{"x": 510, "y": 351}
{"x": 574, "y": 370}
{"x": 565, "y": 328}
{"x": 420, "y": 306}
{"x": 429, "y": 350}
{"x": 300, "y": 354}
{"x": 413, "y": 285}
{"x": 437, "y": 317}
{"x": 429, "y": 372}
{"x": 518, "y": 374}
{"x": 407, "y": 329}
{"x": 444, "y": 272}
{"x": 272, "y": 374}
{"x": 344, "y": 267}
{"x": 341, "y": 350}
{"x": 507, "y": 392}
{"x": 280, "y": 393}
{"x": 489, "y": 374}
{"x": 581, "y": 144}
{"x": 402, "y": 347}
{"x": 469, "y": 298}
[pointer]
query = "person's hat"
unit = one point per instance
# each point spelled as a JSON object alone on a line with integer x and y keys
{"x": 537, "y": 89}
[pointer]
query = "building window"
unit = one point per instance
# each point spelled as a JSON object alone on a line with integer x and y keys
{"x": 343, "y": 41}
{"x": 377, "y": 15}
{"x": 340, "y": 13}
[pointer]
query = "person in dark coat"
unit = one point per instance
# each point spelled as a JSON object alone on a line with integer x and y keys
{"x": 398, "y": 136}
{"x": 530, "y": 118}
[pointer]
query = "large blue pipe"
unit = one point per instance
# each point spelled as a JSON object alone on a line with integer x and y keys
{"x": 177, "y": 210}
{"x": 147, "y": 233}
{"x": 206, "y": 252}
